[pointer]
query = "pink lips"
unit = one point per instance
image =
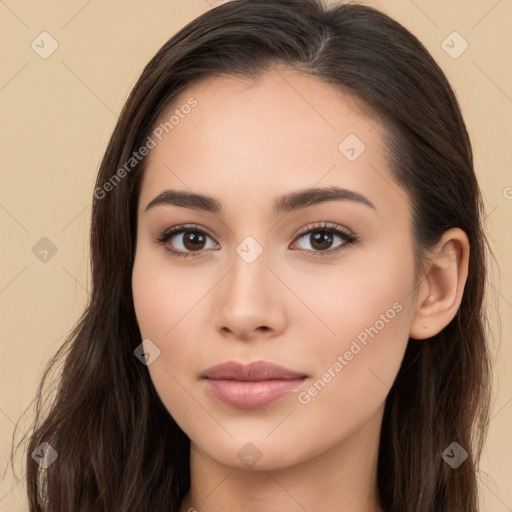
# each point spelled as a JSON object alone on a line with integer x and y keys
{"x": 251, "y": 386}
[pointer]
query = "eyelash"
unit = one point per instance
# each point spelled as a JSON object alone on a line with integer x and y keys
{"x": 348, "y": 238}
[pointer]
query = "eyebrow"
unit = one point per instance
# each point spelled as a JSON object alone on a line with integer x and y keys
{"x": 286, "y": 203}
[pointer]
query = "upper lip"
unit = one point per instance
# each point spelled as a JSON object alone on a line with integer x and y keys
{"x": 256, "y": 371}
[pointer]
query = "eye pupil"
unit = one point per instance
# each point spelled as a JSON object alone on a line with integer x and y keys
{"x": 323, "y": 238}
{"x": 194, "y": 238}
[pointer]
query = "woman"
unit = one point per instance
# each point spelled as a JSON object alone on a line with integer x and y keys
{"x": 288, "y": 269}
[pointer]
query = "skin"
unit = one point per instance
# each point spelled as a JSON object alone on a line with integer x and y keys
{"x": 245, "y": 144}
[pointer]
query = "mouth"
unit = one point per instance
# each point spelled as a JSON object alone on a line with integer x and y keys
{"x": 251, "y": 386}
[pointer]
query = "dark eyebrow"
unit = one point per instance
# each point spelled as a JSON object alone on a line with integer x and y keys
{"x": 309, "y": 197}
{"x": 284, "y": 204}
{"x": 186, "y": 199}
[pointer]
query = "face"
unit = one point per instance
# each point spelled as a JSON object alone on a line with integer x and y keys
{"x": 321, "y": 284}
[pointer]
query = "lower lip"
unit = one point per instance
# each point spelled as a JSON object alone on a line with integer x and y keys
{"x": 251, "y": 395}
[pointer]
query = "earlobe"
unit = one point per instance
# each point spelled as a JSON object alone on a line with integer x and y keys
{"x": 440, "y": 292}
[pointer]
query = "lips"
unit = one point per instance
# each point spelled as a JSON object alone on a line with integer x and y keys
{"x": 251, "y": 386}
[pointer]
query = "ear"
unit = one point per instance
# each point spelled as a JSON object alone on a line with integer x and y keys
{"x": 440, "y": 291}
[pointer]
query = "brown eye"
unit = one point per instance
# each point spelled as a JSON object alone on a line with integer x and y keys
{"x": 193, "y": 240}
{"x": 322, "y": 238}
{"x": 185, "y": 241}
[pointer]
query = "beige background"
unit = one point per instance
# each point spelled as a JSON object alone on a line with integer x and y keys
{"x": 57, "y": 115}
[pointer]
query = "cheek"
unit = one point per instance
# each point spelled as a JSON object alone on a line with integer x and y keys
{"x": 167, "y": 308}
{"x": 354, "y": 371}
{"x": 165, "y": 315}
{"x": 368, "y": 311}
{"x": 365, "y": 297}
{"x": 147, "y": 298}
{"x": 163, "y": 295}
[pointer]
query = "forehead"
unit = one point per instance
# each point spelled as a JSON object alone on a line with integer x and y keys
{"x": 248, "y": 141}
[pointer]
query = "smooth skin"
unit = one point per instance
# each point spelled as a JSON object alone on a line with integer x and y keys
{"x": 245, "y": 144}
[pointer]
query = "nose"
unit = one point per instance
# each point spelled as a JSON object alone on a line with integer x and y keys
{"x": 249, "y": 301}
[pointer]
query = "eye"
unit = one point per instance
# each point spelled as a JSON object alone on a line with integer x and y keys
{"x": 191, "y": 240}
{"x": 322, "y": 236}
{"x": 187, "y": 237}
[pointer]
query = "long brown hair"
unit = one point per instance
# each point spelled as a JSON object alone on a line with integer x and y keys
{"x": 118, "y": 448}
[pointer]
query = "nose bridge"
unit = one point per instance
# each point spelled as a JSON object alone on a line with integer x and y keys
{"x": 248, "y": 283}
{"x": 248, "y": 298}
